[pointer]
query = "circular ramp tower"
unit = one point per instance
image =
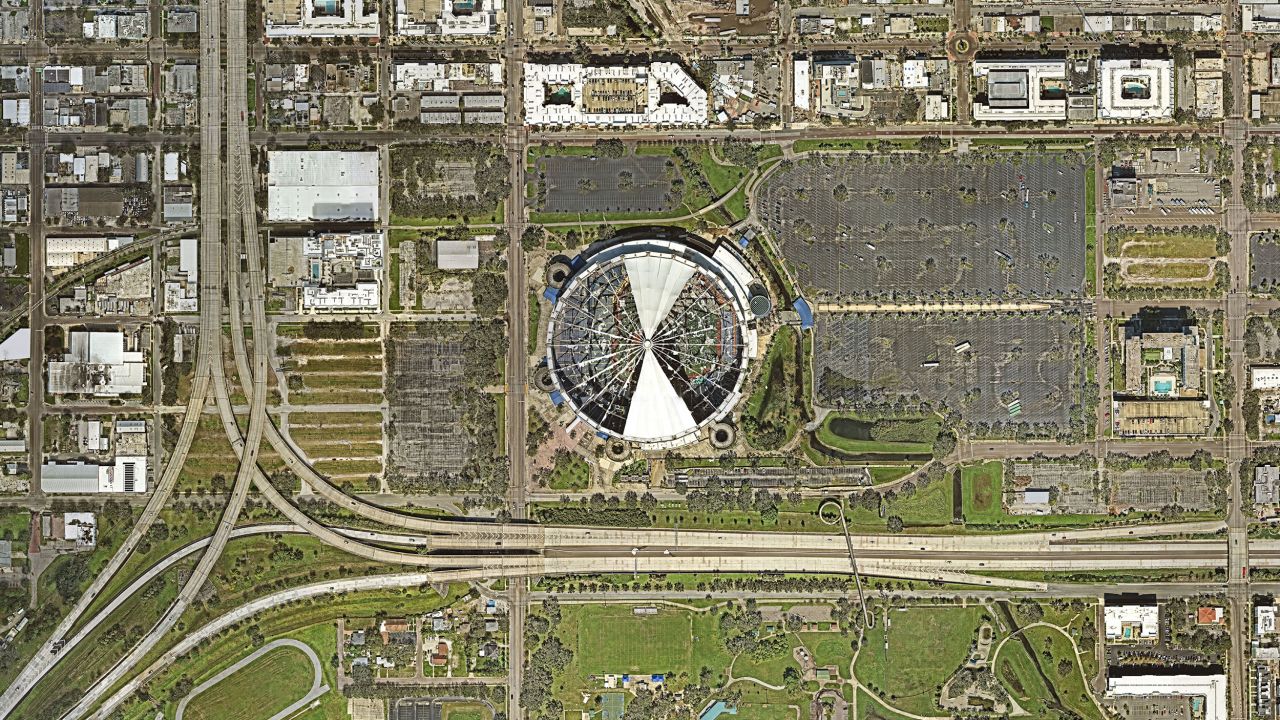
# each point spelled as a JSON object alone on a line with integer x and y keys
{"x": 649, "y": 339}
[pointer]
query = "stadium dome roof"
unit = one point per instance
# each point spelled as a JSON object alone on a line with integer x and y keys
{"x": 649, "y": 339}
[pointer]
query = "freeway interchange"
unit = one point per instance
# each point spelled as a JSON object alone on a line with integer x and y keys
{"x": 444, "y": 550}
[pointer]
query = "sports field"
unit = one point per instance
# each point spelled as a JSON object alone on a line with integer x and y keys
{"x": 615, "y": 640}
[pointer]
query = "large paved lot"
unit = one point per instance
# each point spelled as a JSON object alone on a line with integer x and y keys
{"x": 1019, "y": 368}
{"x": 637, "y": 183}
{"x": 862, "y": 226}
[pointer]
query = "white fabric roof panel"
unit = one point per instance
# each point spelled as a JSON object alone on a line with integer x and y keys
{"x": 656, "y": 282}
{"x": 657, "y": 411}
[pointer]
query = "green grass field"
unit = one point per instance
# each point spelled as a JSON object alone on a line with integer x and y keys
{"x": 871, "y": 708}
{"x": 465, "y": 711}
{"x": 260, "y": 689}
{"x": 982, "y": 492}
{"x": 1090, "y": 230}
{"x": 925, "y": 646}
{"x": 571, "y": 472}
{"x": 1170, "y": 245}
{"x": 829, "y": 648}
{"x": 775, "y": 419}
{"x": 620, "y": 641}
{"x": 769, "y": 669}
{"x": 15, "y": 525}
{"x": 1169, "y": 271}
{"x": 612, "y": 639}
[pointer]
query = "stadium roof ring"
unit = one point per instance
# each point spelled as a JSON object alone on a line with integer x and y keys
{"x": 650, "y": 337}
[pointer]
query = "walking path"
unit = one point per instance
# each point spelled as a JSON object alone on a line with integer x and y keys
{"x": 318, "y": 688}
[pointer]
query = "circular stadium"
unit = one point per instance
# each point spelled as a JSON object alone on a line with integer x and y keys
{"x": 649, "y": 338}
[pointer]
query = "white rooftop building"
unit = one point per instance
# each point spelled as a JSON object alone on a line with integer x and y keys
{"x": 16, "y": 111}
{"x": 800, "y": 83}
{"x": 97, "y": 364}
{"x": 65, "y": 252}
{"x": 1135, "y": 90}
{"x": 353, "y": 263}
{"x": 682, "y": 302}
{"x": 455, "y": 17}
{"x": 1213, "y": 688}
{"x": 324, "y": 18}
{"x": 1265, "y": 620}
{"x": 661, "y": 93}
{"x": 17, "y": 346}
{"x": 311, "y": 185}
{"x": 457, "y": 254}
{"x": 1131, "y": 622}
{"x": 443, "y": 77}
{"x": 126, "y": 474}
{"x": 1264, "y": 378}
{"x": 1021, "y": 90}
{"x": 1261, "y": 16}
{"x": 80, "y": 528}
{"x": 183, "y": 294}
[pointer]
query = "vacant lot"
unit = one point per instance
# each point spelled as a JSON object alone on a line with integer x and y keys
{"x": 1016, "y": 369}
{"x": 345, "y": 446}
{"x": 323, "y": 369}
{"x": 858, "y": 226}
{"x": 260, "y": 689}
{"x": 983, "y": 487}
{"x": 432, "y": 181}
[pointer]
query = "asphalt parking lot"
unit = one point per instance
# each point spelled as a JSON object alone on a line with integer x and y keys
{"x": 977, "y": 226}
{"x": 1017, "y": 368}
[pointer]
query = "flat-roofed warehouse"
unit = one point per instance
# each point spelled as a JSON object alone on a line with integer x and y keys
{"x": 310, "y": 185}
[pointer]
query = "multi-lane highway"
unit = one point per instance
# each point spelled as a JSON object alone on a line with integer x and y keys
{"x": 459, "y": 550}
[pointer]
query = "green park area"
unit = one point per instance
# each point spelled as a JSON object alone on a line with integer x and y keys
{"x": 904, "y": 661}
{"x": 465, "y": 711}
{"x": 1039, "y": 668}
{"x": 262, "y": 688}
{"x": 774, "y": 411}
{"x": 912, "y": 651}
{"x": 853, "y": 434}
{"x": 570, "y": 472}
{"x": 613, "y": 639}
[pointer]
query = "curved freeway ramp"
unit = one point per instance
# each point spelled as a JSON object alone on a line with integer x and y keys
{"x": 318, "y": 688}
